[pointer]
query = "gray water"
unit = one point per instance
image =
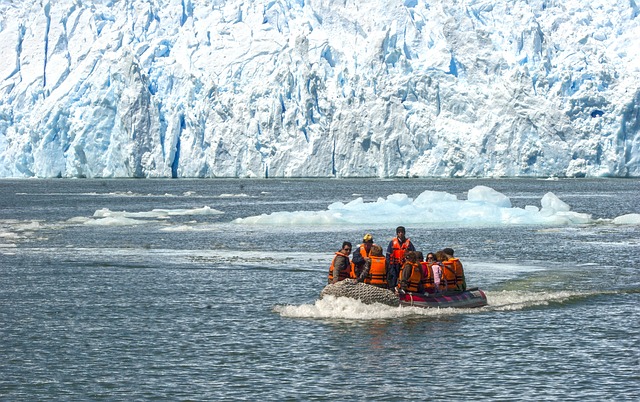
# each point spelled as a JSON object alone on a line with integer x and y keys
{"x": 196, "y": 307}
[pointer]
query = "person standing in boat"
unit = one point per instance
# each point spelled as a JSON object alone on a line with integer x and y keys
{"x": 360, "y": 254}
{"x": 375, "y": 268}
{"x": 340, "y": 266}
{"x": 395, "y": 255}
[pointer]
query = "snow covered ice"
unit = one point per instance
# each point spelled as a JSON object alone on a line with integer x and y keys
{"x": 166, "y": 88}
{"x": 484, "y": 207}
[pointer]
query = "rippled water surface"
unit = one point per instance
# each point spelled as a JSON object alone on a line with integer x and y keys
{"x": 188, "y": 306}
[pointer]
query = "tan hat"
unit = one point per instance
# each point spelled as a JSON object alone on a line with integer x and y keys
{"x": 367, "y": 238}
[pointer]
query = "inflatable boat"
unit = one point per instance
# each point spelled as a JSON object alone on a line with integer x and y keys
{"x": 470, "y": 298}
{"x": 369, "y": 294}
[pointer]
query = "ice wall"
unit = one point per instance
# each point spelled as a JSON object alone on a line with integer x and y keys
{"x": 163, "y": 88}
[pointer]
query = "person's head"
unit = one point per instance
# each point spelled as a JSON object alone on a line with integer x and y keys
{"x": 420, "y": 256}
{"x": 411, "y": 256}
{"x": 367, "y": 240}
{"x": 401, "y": 232}
{"x": 441, "y": 256}
{"x": 431, "y": 257}
{"x": 448, "y": 251}
{"x": 346, "y": 247}
{"x": 376, "y": 251}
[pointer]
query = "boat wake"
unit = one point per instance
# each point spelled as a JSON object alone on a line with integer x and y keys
{"x": 334, "y": 307}
{"x": 351, "y": 309}
{"x": 510, "y": 300}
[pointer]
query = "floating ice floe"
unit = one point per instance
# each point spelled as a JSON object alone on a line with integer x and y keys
{"x": 628, "y": 219}
{"x": 484, "y": 207}
{"x": 107, "y": 217}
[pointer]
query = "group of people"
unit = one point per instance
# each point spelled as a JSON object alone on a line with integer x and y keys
{"x": 402, "y": 268}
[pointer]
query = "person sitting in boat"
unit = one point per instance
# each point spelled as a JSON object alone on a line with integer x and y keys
{"x": 432, "y": 271}
{"x": 411, "y": 275}
{"x": 461, "y": 282}
{"x": 436, "y": 271}
{"x": 446, "y": 276}
{"x": 360, "y": 254}
{"x": 396, "y": 250}
{"x": 375, "y": 268}
{"x": 340, "y": 268}
{"x": 453, "y": 271}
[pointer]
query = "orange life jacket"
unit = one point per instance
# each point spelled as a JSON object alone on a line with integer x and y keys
{"x": 397, "y": 256}
{"x": 416, "y": 280}
{"x": 363, "y": 251}
{"x": 344, "y": 274}
{"x": 461, "y": 283}
{"x": 377, "y": 272}
{"x": 448, "y": 276}
{"x": 453, "y": 274}
{"x": 353, "y": 274}
{"x": 429, "y": 285}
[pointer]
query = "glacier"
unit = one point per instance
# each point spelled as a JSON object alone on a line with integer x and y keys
{"x": 277, "y": 88}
